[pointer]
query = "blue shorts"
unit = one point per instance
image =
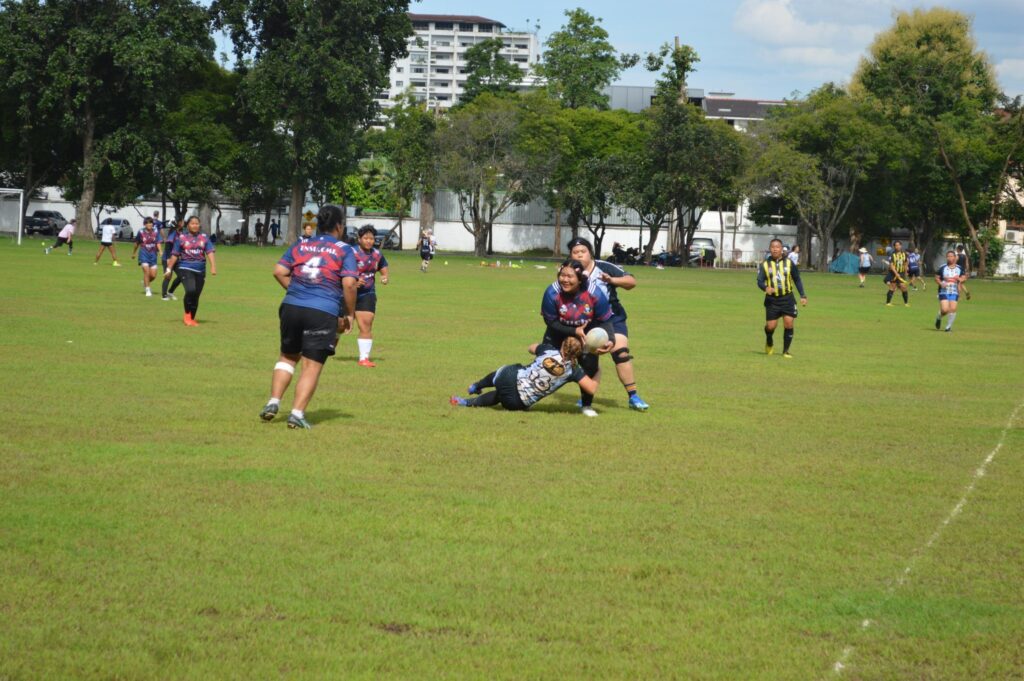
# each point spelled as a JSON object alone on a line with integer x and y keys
{"x": 949, "y": 296}
{"x": 148, "y": 259}
{"x": 914, "y": 272}
{"x": 619, "y": 324}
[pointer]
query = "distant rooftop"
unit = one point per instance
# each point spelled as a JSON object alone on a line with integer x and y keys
{"x": 728, "y": 107}
{"x": 460, "y": 18}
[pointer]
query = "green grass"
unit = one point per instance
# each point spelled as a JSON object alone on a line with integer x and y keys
{"x": 152, "y": 527}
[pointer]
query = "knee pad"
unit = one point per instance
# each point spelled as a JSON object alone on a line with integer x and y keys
{"x": 621, "y": 356}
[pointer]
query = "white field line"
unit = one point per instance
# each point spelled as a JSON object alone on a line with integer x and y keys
{"x": 844, "y": 657}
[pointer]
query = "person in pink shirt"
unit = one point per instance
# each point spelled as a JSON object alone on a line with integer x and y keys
{"x": 66, "y": 236}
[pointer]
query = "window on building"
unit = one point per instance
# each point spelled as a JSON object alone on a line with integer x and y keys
{"x": 420, "y": 26}
{"x": 442, "y": 98}
{"x": 522, "y": 46}
{"x": 398, "y": 69}
{"x": 463, "y": 71}
{"x": 418, "y": 83}
{"x": 466, "y": 27}
{"x": 398, "y": 83}
{"x": 484, "y": 28}
{"x": 444, "y": 69}
{"x": 521, "y": 60}
{"x": 443, "y": 25}
{"x": 442, "y": 43}
{"x": 419, "y": 69}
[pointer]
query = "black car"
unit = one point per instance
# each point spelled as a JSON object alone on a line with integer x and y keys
{"x": 44, "y": 222}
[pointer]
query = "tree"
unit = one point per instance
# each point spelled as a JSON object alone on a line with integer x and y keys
{"x": 927, "y": 74}
{"x": 488, "y": 71}
{"x": 579, "y": 62}
{"x": 831, "y": 135}
{"x": 316, "y": 67}
{"x": 409, "y": 143}
{"x": 34, "y": 148}
{"x": 482, "y": 162}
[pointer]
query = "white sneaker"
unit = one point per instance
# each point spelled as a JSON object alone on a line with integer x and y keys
{"x": 149, "y": 294}
{"x": 47, "y": 250}
{"x": 588, "y": 411}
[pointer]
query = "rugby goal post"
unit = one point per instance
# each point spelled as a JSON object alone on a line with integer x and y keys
{"x": 4, "y": 192}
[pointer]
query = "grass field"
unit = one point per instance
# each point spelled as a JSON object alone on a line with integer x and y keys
{"x": 744, "y": 528}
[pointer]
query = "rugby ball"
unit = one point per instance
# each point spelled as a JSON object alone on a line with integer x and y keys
{"x": 596, "y": 339}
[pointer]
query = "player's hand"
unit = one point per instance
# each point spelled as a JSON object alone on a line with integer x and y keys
{"x": 213, "y": 272}
{"x": 345, "y": 324}
{"x": 803, "y": 301}
{"x": 167, "y": 274}
{"x": 582, "y": 335}
{"x": 604, "y": 350}
{"x": 605, "y": 277}
{"x": 770, "y": 291}
{"x": 383, "y": 280}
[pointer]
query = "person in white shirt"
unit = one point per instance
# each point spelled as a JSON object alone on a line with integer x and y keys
{"x": 865, "y": 265}
{"x": 66, "y": 236}
{"x": 107, "y": 242}
{"x": 794, "y": 255}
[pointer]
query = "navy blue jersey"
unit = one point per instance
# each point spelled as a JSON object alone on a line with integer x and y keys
{"x": 191, "y": 250}
{"x": 610, "y": 290}
{"x": 368, "y": 263}
{"x": 317, "y": 266}
{"x": 574, "y": 310}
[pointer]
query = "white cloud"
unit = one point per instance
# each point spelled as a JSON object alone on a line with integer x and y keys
{"x": 779, "y": 23}
{"x": 1011, "y": 69}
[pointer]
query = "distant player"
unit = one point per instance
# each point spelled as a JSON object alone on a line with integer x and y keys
{"x": 964, "y": 263}
{"x": 778, "y": 277}
{"x": 369, "y": 261}
{"x": 427, "y": 248}
{"x": 570, "y": 308}
{"x": 865, "y": 265}
{"x": 914, "y": 269}
{"x": 518, "y": 387}
{"x": 107, "y": 230}
{"x": 897, "y": 274}
{"x": 147, "y": 245}
{"x": 174, "y": 231}
{"x": 191, "y": 251}
{"x": 307, "y": 233}
{"x": 65, "y": 236}
{"x": 319, "y": 277}
{"x": 609, "y": 278}
{"x": 949, "y": 278}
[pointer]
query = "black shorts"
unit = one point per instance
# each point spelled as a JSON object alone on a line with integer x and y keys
{"x": 619, "y": 325}
{"x": 890, "y": 278}
{"x": 914, "y": 272}
{"x": 426, "y": 255}
{"x": 367, "y": 303}
{"x": 307, "y": 331}
{"x": 505, "y": 385}
{"x": 779, "y": 306}
{"x": 863, "y": 270}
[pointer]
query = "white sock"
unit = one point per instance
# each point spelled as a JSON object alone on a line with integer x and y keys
{"x": 298, "y": 413}
{"x": 274, "y": 401}
{"x": 364, "y": 347}
{"x": 952, "y": 316}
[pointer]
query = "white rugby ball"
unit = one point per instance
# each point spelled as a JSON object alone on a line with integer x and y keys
{"x": 596, "y": 338}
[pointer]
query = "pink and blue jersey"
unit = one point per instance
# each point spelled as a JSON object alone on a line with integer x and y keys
{"x": 191, "y": 250}
{"x": 149, "y": 241}
{"x": 574, "y": 310}
{"x": 318, "y": 266}
{"x": 368, "y": 263}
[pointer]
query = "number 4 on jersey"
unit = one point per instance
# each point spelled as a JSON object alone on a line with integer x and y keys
{"x": 311, "y": 270}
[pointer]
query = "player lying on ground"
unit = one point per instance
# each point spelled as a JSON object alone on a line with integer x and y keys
{"x": 518, "y": 387}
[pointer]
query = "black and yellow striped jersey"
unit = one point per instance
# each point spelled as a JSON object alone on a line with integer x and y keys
{"x": 782, "y": 275}
{"x": 899, "y": 261}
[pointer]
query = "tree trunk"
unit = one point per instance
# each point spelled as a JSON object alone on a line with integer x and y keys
{"x": 556, "y": 250}
{"x": 427, "y": 210}
{"x": 295, "y": 211}
{"x": 480, "y": 234}
{"x": 721, "y": 237}
{"x": 649, "y": 248}
{"x": 83, "y": 211}
{"x": 266, "y": 223}
{"x": 822, "y": 265}
{"x": 205, "y": 216}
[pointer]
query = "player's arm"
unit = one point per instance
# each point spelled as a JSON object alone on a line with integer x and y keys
{"x": 213, "y": 263}
{"x": 762, "y": 281}
{"x": 549, "y": 311}
{"x": 794, "y": 272}
{"x": 138, "y": 240}
{"x": 350, "y": 291}
{"x": 384, "y": 275}
{"x": 938, "y": 278}
{"x": 283, "y": 275}
{"x": 171, "y": 262}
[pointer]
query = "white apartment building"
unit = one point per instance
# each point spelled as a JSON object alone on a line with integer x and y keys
{"x": 435, "y": 69}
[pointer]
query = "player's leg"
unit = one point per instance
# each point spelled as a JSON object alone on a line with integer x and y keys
{"x": 317, "y": 341}
{"x": 592, "y": 369}
{"x": 189, "y": 281}
{"x": 99, "y": 253}
{"x": 943, "y": 309}
{"x": 177, "y": 280}
{"x": 951, "y": 312}
{"x": 787, "y": 334}
{"x": 113, "y": 254}
{"x": 903, "y": 290}
{"x": 770, "y": 323}
{"x": 366, "y": 310}
{"x": 200, "y": 279}
{"x": 623, "y": 361}
{"x": 891, "y": 284}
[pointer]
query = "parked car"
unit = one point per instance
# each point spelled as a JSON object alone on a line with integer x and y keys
{"x": 44, "y": 222}
{"x": 122, "y": 228}
{"x": 702, "y": 252}
{"x": 384, "y": 239}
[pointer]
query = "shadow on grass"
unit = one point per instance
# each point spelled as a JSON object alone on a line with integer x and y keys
{"x": 325, "y": 415}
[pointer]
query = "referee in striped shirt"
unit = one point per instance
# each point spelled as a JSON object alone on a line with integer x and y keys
{"x": 777, "y": 277}
{"x": 897, "y": 274}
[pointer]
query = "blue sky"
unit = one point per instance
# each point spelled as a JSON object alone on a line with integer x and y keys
{"x": 759, "y": 49}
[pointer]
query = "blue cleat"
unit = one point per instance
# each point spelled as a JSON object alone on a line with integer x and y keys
{"x": 472, "y": 389}
{"x": 268, "y": 412}
{"x": 635, "y": 402}
{"x": 457, "y": 401}
{"x": 295, "y": 422}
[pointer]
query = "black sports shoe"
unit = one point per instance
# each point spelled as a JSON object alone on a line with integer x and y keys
{"x": 938, "y": 323}
{"x": 268, "y": 412}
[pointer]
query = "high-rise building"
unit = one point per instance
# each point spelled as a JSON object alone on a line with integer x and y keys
{"x": 435, "y": 70}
